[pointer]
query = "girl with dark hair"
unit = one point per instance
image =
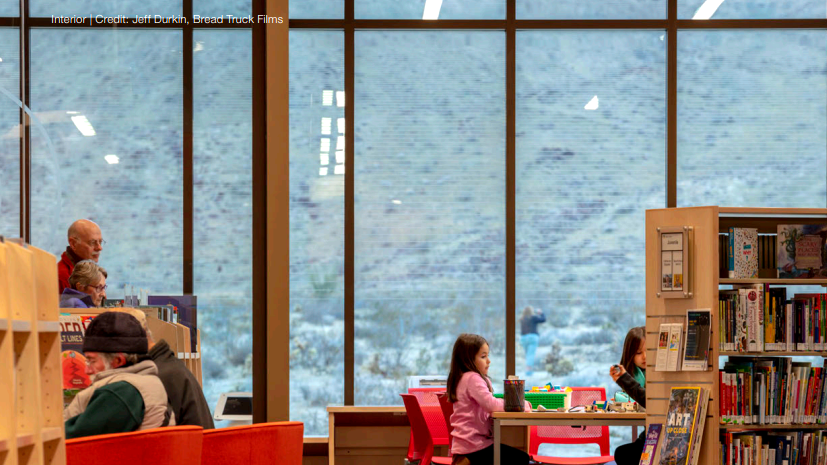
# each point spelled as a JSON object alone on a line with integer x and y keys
{"x": 472, "y": 394}
{"x": 630, "y": 375}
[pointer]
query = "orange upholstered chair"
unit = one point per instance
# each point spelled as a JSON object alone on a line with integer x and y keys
{"x": 277, "y": 443}
{"x": 174, "y": 445}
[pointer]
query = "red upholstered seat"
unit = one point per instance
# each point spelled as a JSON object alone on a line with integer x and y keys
{"x": 277, "y": 443}
{"x": 423, "y": 443}
{"x": 175, "y": 445}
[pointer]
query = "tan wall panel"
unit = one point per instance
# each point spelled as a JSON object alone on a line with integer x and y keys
{"x": 367, "y": 436}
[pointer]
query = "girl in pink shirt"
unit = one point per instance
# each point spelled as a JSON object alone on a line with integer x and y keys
{"x": 470, "y": 390}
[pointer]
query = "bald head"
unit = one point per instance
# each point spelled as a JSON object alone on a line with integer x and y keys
{"x": 85, "y": 240}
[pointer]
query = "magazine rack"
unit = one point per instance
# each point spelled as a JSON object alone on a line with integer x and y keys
{"x": 707, "y": 223}
{"x": 31, "y": 406}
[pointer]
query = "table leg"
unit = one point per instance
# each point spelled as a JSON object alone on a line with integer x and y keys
{"x": 634, "y": 433}
{"x": 497, "y": 439}
{"x": 331, "y": 442}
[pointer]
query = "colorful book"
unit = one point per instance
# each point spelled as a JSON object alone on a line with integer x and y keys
{"x": 698, "y": 334}
{"x": 663, "y": 347}
{"x": 650, "y": 447}
{"x": 673, "y": 357}
{"x": 681, "y": 421}
{"x": 743, "y": 253}
{"x": 800, "y": 250}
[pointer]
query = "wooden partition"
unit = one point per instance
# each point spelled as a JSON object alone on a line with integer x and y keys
{"x": 31, "y": 426}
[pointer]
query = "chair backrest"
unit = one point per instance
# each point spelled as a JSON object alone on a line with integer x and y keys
{"x": 431, "y": 410}
{"x": 173, "y": 445}
{"x": 571, "y": 434}
{"x": 277, "y": 443}
{"x": 447, "y": 408}
{"x": 423, "y": 445}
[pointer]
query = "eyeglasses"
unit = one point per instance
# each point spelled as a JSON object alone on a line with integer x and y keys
{"x": 100, "y": 288}
{"x": 94, "y": 243}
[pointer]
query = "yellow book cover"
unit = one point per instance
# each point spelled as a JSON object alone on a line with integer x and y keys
{"x": 680, "y": 423}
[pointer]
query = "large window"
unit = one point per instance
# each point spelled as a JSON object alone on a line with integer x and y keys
{"x": 429, "y": 210}
{"x": 9, "y": 132}
{"x": 99, "y": 9}
{"x": 591, "y": 9}
{"x": 752, "y": 120}
{"x": 317, "y": 135}
{"x": 222, "y": 202}
{"x": 751, "y": 9}
{"x": 429, "y": 9}
{"x": 590, "y": 148}
{"x": 111, "y": 149}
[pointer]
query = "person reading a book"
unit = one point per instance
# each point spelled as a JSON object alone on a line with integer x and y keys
{"x": 184, "y": 393}
{"x": 87, "y": 286}
{"x": 470, "y": 390}
{"x": 85, "y": 243}
{"x": 630, "y": 375}
{"x": 125, "y": 394}
{"x": 529, "y": 337}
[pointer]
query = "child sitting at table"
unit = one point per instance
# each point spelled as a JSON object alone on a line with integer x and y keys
{"x": 472, "y": 395}
{"x": 630, "y": 375}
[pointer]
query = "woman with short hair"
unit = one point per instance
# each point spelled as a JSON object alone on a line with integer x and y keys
{"x": 87, "y": 286}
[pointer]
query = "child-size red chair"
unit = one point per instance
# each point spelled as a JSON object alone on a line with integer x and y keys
{"x": 574, "y": 434}
{"x": 276, "y": 443}
{"x": 447, "y": 408}
{"x": 423, "y": 443}
{"x": 429, "y": 403}
{"x": 173, "y": 445}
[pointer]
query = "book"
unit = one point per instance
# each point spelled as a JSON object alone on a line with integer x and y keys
{"x": 673, "y": 357}
{"x": 698, "y": 334}
{"x": 800, "y": 250}
{"x": 743, "y": 253}
{"x": 651, "y": 445}
{"x": 681, "y": 423}
{"x": 663, "y": 347}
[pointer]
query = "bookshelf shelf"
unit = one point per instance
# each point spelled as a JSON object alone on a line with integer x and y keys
{"x": 48, "y": 327}
{"x": 771, "y": 427}
{"x": 21, "y": 326}
{"x": 789, "y": 282}
{"x": 52, "y": 433}
{"x": 25, "y": 440}
{"x": 773, "y": 354}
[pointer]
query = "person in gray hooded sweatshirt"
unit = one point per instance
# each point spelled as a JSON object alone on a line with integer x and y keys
{"x": 126, "y": 393}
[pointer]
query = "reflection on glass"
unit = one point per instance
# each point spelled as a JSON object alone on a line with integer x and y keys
{"x": 429, "y": 9}
{"x": 591, "y": 9}
{"x": 222, "y": 204}
{"x": 102, "y": 11}
{"x": 316, "y": 227}
{"x": 127, "y": 84}
{"x": 751, "y": 9}
{"x": 317, "y": 9}
{"x": 752, "y": 122}
{"x": 590, "y": 148}
{"x": 429, "y": 204}
{"x": 9, "y": 132}
{"x": 217, "y": 8}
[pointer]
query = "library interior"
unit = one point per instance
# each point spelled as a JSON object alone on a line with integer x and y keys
{"x": 413, "y": 232}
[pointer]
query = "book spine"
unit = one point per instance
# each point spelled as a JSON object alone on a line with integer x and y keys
{"x": 731, "y": 254}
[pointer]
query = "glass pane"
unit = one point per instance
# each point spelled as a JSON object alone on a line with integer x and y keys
{"x": 429, "y": 204}
{"x": 217, "y": 8}
{"x": 591, "y": 151}
{"x": 111, "y": 105}
{"x": 751, "y": 113}
{"x": 317, "y": 9}
{"x": 591, "y": 9}
{"x": 9, "y": 8}
{"x": 751, "y": 9}
{"x": 222, "y": 207}
{"x": 91, "y": 12}
{"x": 317, "y": 248}
{"x": 10, "y": 132}
{"x": 429, "y": 9}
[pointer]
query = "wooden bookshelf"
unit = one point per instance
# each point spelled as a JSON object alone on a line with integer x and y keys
{"x": 30, "y": 378}
{"x": 702, "y": 266}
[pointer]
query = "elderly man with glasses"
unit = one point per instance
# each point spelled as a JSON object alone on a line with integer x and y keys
{"x": 87, "y": 286}
{"x": 85, "y": 243}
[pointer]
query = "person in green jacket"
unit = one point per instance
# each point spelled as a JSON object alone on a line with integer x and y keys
{"x": 126, "y": 393}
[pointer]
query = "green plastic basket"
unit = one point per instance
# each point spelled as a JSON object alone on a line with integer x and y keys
{"x": 549, "y": 400}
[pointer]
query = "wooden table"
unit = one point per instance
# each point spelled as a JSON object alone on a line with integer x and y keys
{"x": 523, "y": 419}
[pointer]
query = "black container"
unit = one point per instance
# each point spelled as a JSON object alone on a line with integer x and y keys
{"x": 514, "y": 395}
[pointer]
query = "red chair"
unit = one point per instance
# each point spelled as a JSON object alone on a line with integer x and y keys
{"x": 429, "y": 403}
{"x": 574, "y": 434}
{"x": 277, "y": 443}
{"x": 447, "y": 408}
{"x": 173, "y": 445}
{"x": 423, "y": 443}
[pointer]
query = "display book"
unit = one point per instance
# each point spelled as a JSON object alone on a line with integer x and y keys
{"x": 758, "y": 318}
{"x": 676, "y": 352}
{"x": 685, "y": 420}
